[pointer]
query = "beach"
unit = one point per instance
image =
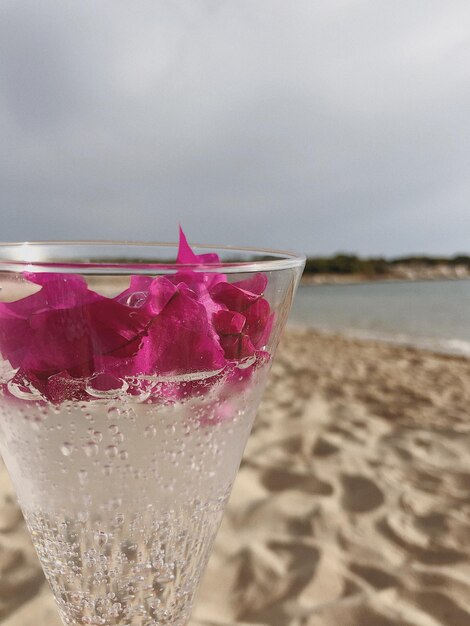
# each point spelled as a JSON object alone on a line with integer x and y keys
{"x": 351, "y": 508}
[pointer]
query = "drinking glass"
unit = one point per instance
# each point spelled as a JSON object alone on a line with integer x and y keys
{"x": 128, "y": 387}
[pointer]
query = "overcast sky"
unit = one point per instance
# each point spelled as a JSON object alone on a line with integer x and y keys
{"x": 314, "y": 125}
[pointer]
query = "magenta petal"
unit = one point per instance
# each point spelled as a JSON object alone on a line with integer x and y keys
{"x": 180, "y": 339}
{"x": 237, "y": 347}
{"x": 192, "y": 321}
{"x": 58, "y": 290}
{"x": 208, "y": 258}
{"x": 25, "y": 380}
{"x": 255, "y": 284}
{"x": 136, "y": 294}
{"x": 200, "y": 282}
{"x": 60, "y": 341}
{"x": 16, "y": 335}
{"x": 114, "y": 328}
{"x": 147, "y": 294}
{"x": 185, "y": 253}
{"x": 73, "y": 339}
{"x": 187, "y": 257}
{"x": 161, "y": 292}
{"x": 62, "y": 386}
{"x": 233, "y": 297}
{"x": 28, "y": 326}
{"x": 259, "y": 321}
{"x": 52, "y": 278}
{"x": 228, "y": 322}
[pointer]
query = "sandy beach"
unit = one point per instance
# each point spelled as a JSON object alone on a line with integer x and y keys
{"x": 352, "y": 506}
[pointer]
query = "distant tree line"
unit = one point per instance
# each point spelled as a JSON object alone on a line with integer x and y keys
{"x": 375, "y": 266}
{"x": 342, "y": 263}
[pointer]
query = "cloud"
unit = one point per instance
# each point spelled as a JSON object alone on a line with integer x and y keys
{"x": 316, "y": 126}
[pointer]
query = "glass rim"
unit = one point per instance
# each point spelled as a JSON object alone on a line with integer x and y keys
{"x": 31, "y": 256}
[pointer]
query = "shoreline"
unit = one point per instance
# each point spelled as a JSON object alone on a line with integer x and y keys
{"x": 432, "y": 345}
{"x": 308, "y": 280}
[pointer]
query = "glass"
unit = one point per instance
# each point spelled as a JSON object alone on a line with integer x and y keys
{"x": 128, "y": 388}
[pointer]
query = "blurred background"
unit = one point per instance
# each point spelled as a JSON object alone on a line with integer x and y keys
{"x": 339, "y": 129}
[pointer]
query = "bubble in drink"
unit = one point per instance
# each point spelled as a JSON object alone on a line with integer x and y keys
{"x": 112, "y": 452}
{"x": 66, "y": 448}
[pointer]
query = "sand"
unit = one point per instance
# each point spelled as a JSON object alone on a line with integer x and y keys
{"x": 352, "y": 506}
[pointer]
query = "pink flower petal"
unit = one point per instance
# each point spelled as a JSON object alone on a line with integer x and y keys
{"x": 255, "y": 284}
{"x": 259, "y": 321}
{"x": 180, "y": 339}
{"x": 187, "y": 257}
{"x": 192, "y": 321}
{"x": 52, "y": 340}
{"x": 228, "y": 322}
{"x": 232, "y": 297}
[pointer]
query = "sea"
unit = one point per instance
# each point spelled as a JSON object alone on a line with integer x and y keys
{"x": 434, "y": 315}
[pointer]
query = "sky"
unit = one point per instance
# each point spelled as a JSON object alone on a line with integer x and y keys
{"x": 314, "y": 126}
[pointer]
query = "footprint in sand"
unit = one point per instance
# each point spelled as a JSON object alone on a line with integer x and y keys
{"x": 403, "y": 532}
{"x": 354, "y": 613}
{"x": 276, "y": 479}
{"x": 20, "y": 579}
{"x": 324, "y": 448}
{"x": 458, "y": 485}
{"x": 376, "y": 577}
{"x": 360, "y": 494}
{"x": 440, "y": 607}
{"x": 455, "y": 586}
{"x": 423, "y": 480}
{"x": 10, "y": 514}
{"x": 269, "y": 573}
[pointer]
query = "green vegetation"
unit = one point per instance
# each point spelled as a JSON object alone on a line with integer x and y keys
{"x": 430, "y": 261}
{"x": 376, "y": 266}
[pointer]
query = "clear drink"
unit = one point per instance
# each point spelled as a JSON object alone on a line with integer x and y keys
{"x": 123, "y": 495}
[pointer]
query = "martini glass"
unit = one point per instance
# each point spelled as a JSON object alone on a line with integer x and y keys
{"x": 128, "y": 387}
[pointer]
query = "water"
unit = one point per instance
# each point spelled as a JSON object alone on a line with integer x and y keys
{"x": 123, "y": 498}
{"x": 433, "y": 315}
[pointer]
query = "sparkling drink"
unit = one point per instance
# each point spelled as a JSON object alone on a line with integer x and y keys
{"x": 123, "y": 422}
{"x": 123, "y": 497}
